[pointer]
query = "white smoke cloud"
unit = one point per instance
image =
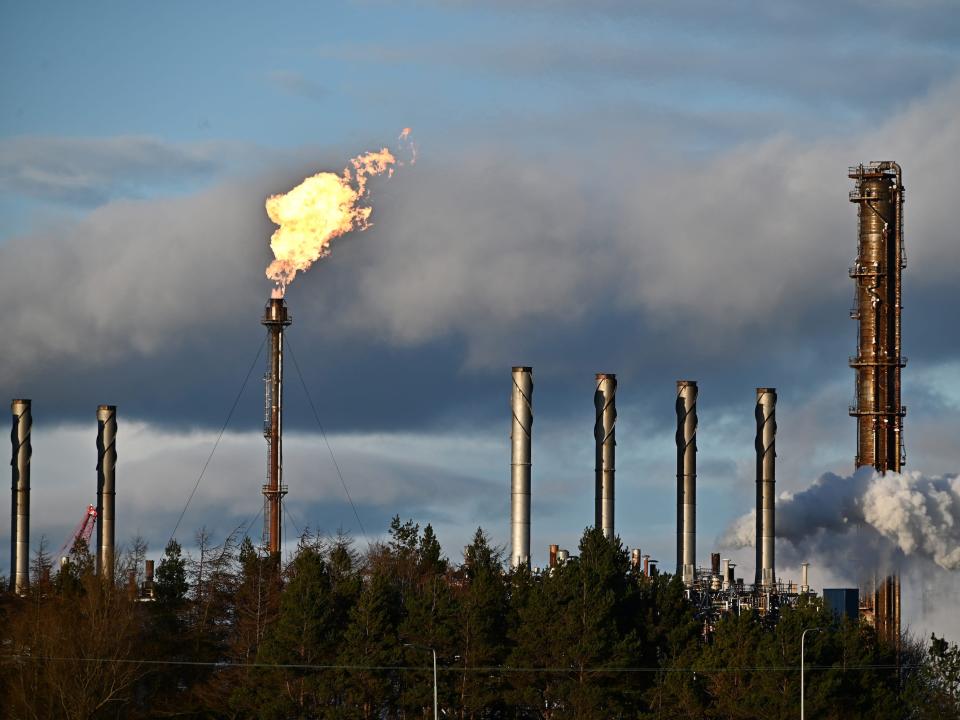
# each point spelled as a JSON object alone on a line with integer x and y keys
{"x": 867, "y": 518}
{"x": 920, "y": 515}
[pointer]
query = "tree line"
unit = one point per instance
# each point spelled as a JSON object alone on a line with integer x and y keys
{"x": 339, "y": 633}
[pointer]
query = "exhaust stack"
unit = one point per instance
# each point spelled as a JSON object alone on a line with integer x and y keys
{"x": 148, "y": 588}
{"x": 275, "y": 318}
{"x": 106, "y": 488}
{"x": 686, "y": 479}
{"x": 20, "y": 496}
{"x": 521, "y": 405}
{"x": 604, "y": 429}
{"x": 765, "y": 445}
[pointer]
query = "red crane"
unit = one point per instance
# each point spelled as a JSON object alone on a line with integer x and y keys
{"x": 84, "y": 529}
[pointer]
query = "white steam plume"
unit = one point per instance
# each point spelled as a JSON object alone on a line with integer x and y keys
{"x": 868, "y": 517}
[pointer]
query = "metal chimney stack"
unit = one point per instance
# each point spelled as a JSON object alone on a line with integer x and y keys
{"x": 20, "y": 496}
{"x": 604, "y": 429}
{"x": 106, "y": 488}
{"x": 877, "y": 274}
{"x": 148, "y": 586}
{"x": 765, "y": 445}
{"x": 275, "y": 318}
{"x": 686, "y": 479}
{"x": 521, "y": 405}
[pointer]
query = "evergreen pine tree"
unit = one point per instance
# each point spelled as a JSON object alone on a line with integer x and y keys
{"x": 482, "y": 601}
{"x": 369, "y": 645}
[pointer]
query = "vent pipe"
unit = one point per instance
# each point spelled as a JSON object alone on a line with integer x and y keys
{"x": 148, "y": 590}
{"x": 686, "y": 479}
{"x": 521, "y": 405}
{"x": 805, "y": 578}
{"x": 604, "y": 429}
{"x": 276, "y": 319}
{"x": 765, "y": 444}
{"x": 725, "y": 576}
{"x": 553, "y": 555}
{"x": 106, "y": 488}
{"x": 20, "y": 496}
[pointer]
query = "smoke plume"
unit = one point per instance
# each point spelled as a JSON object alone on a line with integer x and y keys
{"x": 867, "y": 517}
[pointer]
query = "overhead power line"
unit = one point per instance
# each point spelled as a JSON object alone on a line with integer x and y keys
{"x": 460, "y": 669}
{"x": 223, "y": 429}
{"x": 323, "y": 432}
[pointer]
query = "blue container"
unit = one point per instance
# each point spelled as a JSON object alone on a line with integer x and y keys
{"x": 842, "y": 602}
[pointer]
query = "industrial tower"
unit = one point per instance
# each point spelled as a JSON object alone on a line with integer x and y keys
{"x": 879, "y": 413}
{"x": 275, "y": 318}
{"x": 880, "y": 260}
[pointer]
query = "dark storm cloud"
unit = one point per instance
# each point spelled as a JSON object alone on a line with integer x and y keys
{"x": 732, "y": 271}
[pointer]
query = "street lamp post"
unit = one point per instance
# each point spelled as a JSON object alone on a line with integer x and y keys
{"x": 434, "y": 652}
{"x": 803, "y": 637}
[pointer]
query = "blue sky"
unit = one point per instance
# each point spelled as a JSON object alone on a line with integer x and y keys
{"x": 652, "y": 189}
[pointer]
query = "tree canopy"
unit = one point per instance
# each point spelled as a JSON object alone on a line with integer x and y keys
{"x": 341, "y": 633}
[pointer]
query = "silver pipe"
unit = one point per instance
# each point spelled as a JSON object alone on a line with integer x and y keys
{"x": 20, "y": 496}
{"x": 765, "y": 445}
{"x": 604, "y": 433}
{"x": 106, "y": 488}
{"x": 805, "y": 578}
{"x": 686, "y": 479}
{"x": 521, "y": 405}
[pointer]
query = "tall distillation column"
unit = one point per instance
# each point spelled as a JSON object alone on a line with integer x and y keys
{"x": 604, "y": 429}
{"x": 275, "y": 318}
{"x": 765, "y": 445}
{"x": 20, "y": 496}
{"x": 686, "y": 479}
{"x": 877, "y": 274}
{"x": 521, "y": 406}
{"x": 106, "y": 488}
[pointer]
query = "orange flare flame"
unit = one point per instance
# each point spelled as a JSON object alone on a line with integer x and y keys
{"x": 317, "y": 210}
{"x": 407, "y": 141}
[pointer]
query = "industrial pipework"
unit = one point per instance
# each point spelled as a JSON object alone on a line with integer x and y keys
{"x": 276, "y": 319}
{"x": 106, "y": 488}
{"x": 877, "y": 273}
{"x": 886, "y": 609}
{"x": 521, "y": 406}
{"x": 686, "y": 479}
{"x": 765, "y": 445}
{"x": 604, "y": 429}
{"x": 20, "y": 496}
